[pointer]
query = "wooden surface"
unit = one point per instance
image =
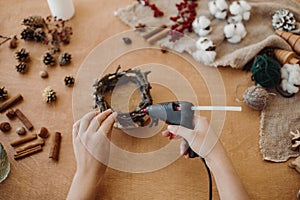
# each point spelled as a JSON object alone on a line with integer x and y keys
{"x": 39, "y": 177}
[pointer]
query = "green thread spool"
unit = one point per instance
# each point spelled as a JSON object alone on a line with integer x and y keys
{"x": 266, "y": 71}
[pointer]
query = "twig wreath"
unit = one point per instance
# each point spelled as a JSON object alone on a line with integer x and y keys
{"x": 108, "y": 82}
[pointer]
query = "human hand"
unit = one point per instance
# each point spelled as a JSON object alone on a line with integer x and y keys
{"x": 90, "y": 135}
{"x": 201, "y": 139}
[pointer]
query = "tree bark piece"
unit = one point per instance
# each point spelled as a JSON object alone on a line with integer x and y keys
{"x": 24, "y": 119}
{"x": 10, "y": 102}
{"x": 23, "y": 140}
{"x": 54, "y": 151}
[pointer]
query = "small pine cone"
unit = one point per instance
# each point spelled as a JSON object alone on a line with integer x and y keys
{"x": 48, "y": 59}
{"x": 69, "y": 81}
{"x": 3, "y": 93}
{"x": 21, "y": 67}
{"x": 49, "y": 95}
{"x": 22, "y": 55}
{"x": 64, "y": 59}
{"x": 40, "y": 35}
{"x": 65, "y": 35}
{"x": 27, "y": 34}
{"x": 283, "y": 19}
{"x": 34, "y": 21}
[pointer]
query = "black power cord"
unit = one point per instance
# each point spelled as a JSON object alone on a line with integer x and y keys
{"x": 209, "y": 179}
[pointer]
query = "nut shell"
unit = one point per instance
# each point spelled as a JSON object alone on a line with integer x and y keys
{"x": 43, "y": 132}
{"x": 21, "y": 131}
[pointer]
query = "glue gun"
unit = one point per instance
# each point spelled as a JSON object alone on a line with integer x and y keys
{"x": 174, "y": 113}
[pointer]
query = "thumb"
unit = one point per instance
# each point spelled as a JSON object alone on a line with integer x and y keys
{"x": 181, "y": 131}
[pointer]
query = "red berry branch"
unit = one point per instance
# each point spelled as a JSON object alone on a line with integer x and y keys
{"x": 156, "y": 11}
{"x": 184, "y": 19}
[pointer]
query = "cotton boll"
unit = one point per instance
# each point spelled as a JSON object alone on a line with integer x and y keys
{"x": 201, "y": 26}
{"x": 288, "y": 87}
{"x": 218, "y": 8}
{"x": 206, "y": 57}
{"x": 205, "y": 44}
{"x": 240, "y": 10}
{"x": 284, "y": 73}
{"x": 235, "y": 32}
{"x": 235, "y": 8}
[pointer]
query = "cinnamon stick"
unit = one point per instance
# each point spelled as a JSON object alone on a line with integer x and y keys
{"x": 158, "y": 36}
{"x": 40, "y": 142}
{"x": 23, "y": 140}
{"x": 154, "y": 31}
{"x": 24, "y": 119}
{"x": 54, "y": 151}
{"x": 10, "y": 102}
{"x": 28, "y": 152}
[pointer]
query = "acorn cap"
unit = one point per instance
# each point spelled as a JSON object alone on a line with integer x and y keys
{"x": 284, "y": 56}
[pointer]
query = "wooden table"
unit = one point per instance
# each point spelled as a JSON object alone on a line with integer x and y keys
{"x": 39, "y": 177}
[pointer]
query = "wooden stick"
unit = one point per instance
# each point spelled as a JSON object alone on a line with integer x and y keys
{"x": 10, "y": 102}
{"x": 24, "y": 119}
{"x": 54, "y": 151}
{"x": 158, "y": 36}
{"x": 28, "y": 152}
{"x": 31, "y": 145}
{"x": 154, "y": 31}
{"x": 23, "y": 140}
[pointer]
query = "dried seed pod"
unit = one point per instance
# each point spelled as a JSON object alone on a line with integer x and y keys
{"x": 21, "y": 131}
{"x": 43, "y": 74}
{"x": 21, "y": 67}
{"x": 64, "y": 59}
{"x": 3, "y": 93}
{"x": 11, "y": 114}
{"x": 22, "y": 55}
{"x": 48, "y": 59}
{"x": 49, "y": 95}
{"x": 34, "y": 21}
{"x": 69, "y": 81}
{"x": 43, "y": 132}
{"x": 27, "y": 34}
{"x": 13, "y": 42}
{"x": 5, "y": 127}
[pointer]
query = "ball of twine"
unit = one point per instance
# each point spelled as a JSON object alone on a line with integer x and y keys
{"x": 266, "y": 71}
{"x": 256, "y": 97}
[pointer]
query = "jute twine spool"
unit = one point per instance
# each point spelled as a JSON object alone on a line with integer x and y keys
{"x": 256, "y": 97}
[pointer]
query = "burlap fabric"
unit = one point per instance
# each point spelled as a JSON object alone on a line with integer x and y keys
{"x": 279, "y": 117}
{"x": 260, "y": 32}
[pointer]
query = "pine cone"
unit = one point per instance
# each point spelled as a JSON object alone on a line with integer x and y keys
{"x": 22, "y": 55}
{"x": 284, "y": 20}
{"x": 40, "y": 35}
{"x": 21, "y": 67}
{"x": 34, "y": 21}
{"x": 49, "y": 95}
{"x": 69, "y": 81}
{"x": 64, "y": 59}
{"x": 27, "y": 34}
{"x": 3, "y": 93}
{"x": 48, "y": 59}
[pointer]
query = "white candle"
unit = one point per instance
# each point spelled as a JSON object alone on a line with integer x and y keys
{"x": 62, "y": 9}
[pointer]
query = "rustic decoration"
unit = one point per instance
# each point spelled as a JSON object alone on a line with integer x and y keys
{"x": 292, "y": 39}
{"x": 39, "y": 35}
{"x": 156, "y": 11}
{"x": 5, "y": 127}
{"x": 3, "y": 93}
{"x": 283, "y": 19}
{"x": 108, "y": 82}
{"x": 49, "y": 95}
{"x": 43, "y": 132}
{"x": 69, "y": 81}
{"x": 127, "y": 40}
{"x": 10, "y": 102}
{"x": 11, "y": 114}
{"x": 22, "y": 55}
{"x": 34, "y": 22}
{"x": 24, "y": 119}
{"x": 43, "y": 74}
{"x": 27, "y": 34}
{"x": 48, "y": 59}
{"x": 23, "y": 140}
{"x": 54, "y": 151}
{"x": 28, "y": 152}
{"x": 21, "y": 67}
{"x": 13, "y": 42}
{"x": 64, "y": 59}
{"x": 21, "y": 131}
{"x": 37, "y": 142}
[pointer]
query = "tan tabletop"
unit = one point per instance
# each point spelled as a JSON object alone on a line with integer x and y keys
{"x": 38, "y": 177}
